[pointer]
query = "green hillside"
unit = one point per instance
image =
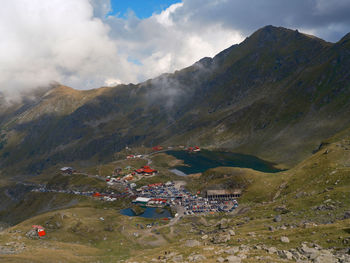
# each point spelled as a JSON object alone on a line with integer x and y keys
{"x": 277, "y": 95}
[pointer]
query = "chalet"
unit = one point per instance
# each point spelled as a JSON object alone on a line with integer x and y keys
{"x": 223, "y": 194}
{"x": 194, "y": 149}
{"x": 67, "y": 170}
{"x": 157, "y": 148}
{"x": 146, "y": 170}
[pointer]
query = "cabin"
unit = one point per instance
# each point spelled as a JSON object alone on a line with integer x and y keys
{"x": 146, "y": 170}
{"x": 223, "y": 194}
{"x": 67, "y": 170}
{"x": 157, "y": 148}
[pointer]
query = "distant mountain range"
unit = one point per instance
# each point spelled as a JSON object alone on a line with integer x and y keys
{"x": 276, "y": 95}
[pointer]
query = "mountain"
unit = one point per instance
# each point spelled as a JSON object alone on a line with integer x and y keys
{"x": 277, "y": 95}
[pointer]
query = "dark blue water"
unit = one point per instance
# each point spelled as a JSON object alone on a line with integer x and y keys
{"x": 150, "y": 212}
{"x": 201, "y": 161}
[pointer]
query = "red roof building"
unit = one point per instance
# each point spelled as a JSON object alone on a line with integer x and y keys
{"x": 157, "y": 148}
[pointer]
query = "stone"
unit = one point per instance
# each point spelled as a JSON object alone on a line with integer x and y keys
{"x": 221, "y": 238}
{"x": 347, "y": 215}
{"x": 272, "y": 250}
{"x": 251, "y": 234}
{"x": 231, "y": 232}
{"x": 177, "y": 259}
{"x": 325, "y": 258}
{"x": 204, "y": 237}
{"x": 233, "y": 259}
{"x": 285, "y": 254}
{"x": 195, "y": 258}
{"x": 277, "y": 218}
{"x": 284, "y": 239}
{"x": 32, "y": 234}
{"x": 282, "y": 209}
{"x": 203, "y": 221}
{"x": 192, "y": 243}
{"x": 311, "y": 253}
{"x": 232, "y": 250}
{"x": 223, "y": 224}
{"x": 220, "y": 259}
{"x": 271, "y": 228}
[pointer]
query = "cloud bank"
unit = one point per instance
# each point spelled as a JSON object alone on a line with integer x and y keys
{"x": 77, "y": 44}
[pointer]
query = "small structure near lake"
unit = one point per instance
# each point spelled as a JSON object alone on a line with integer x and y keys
{"x": 67, "y": 170}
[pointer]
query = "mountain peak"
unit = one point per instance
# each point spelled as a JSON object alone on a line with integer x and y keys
{"x": 345, "y": 39}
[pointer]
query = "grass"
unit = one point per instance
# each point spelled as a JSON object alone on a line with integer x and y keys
{"x": 319, "y": 180}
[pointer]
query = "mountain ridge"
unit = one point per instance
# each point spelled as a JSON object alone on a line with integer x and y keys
{"x": 255, "y": 97}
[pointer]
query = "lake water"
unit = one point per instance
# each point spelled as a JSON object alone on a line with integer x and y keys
{"x": 150, "y": 212}
{"x": 199, "y": 162}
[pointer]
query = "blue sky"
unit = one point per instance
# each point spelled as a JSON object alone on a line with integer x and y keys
{"x": 142, "y": 8}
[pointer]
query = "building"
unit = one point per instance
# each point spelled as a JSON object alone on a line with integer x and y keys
{"x": 157, "y": 148}
{"x": 67, "y": 170}
{"x": 223, "y": 194}
{"x": 141, "y": 200}
{"x": 146, "y": 170}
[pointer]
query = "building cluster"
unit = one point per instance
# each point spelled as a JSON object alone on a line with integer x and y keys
{"x": 167, "y": 194}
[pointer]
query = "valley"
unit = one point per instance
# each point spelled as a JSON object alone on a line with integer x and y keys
{"x": 258, "y": 137}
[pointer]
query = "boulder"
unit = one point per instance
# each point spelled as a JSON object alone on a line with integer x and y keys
{"x": 310, "y": 253}
{"x": 192, "y": 243}
{"x": 325, "y": 257}
{"x": 177, "y": 259}
{"x": 223, "y": 223}
{"x": 285, "y": 254}
{"x": 231, "y": 232}
{"x": 221, "y": 238}
{"x": 284, "y": 239}
{"x": 196, "y": 258}
{"x": 277, "y": 218}
{"x": 272, "y": 250}
{"x": 32, "y": 234}
{"x": 232, "y": 250}
{"x": 233, "y": 259}
{"x": 203, "y": 221}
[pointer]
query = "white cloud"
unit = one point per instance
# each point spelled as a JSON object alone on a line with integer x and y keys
{"x": 45, "y": 41}
{"x": 74, "y": 43}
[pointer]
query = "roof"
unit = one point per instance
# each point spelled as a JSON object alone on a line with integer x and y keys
{"x": 224, "y": 192}
{"x": 148, "y": 170}
{"x": 142, "y": 199}
{"x": 66, "y": 168}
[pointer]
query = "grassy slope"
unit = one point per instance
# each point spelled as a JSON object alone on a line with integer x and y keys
{"x": 319, "y": 180}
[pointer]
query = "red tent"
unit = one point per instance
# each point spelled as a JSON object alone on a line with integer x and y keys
{"x": 40, "y": 230}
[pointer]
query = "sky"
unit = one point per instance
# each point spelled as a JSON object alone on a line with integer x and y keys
{"x": 87, "y": 44}
{"x": 142, "y": 8}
